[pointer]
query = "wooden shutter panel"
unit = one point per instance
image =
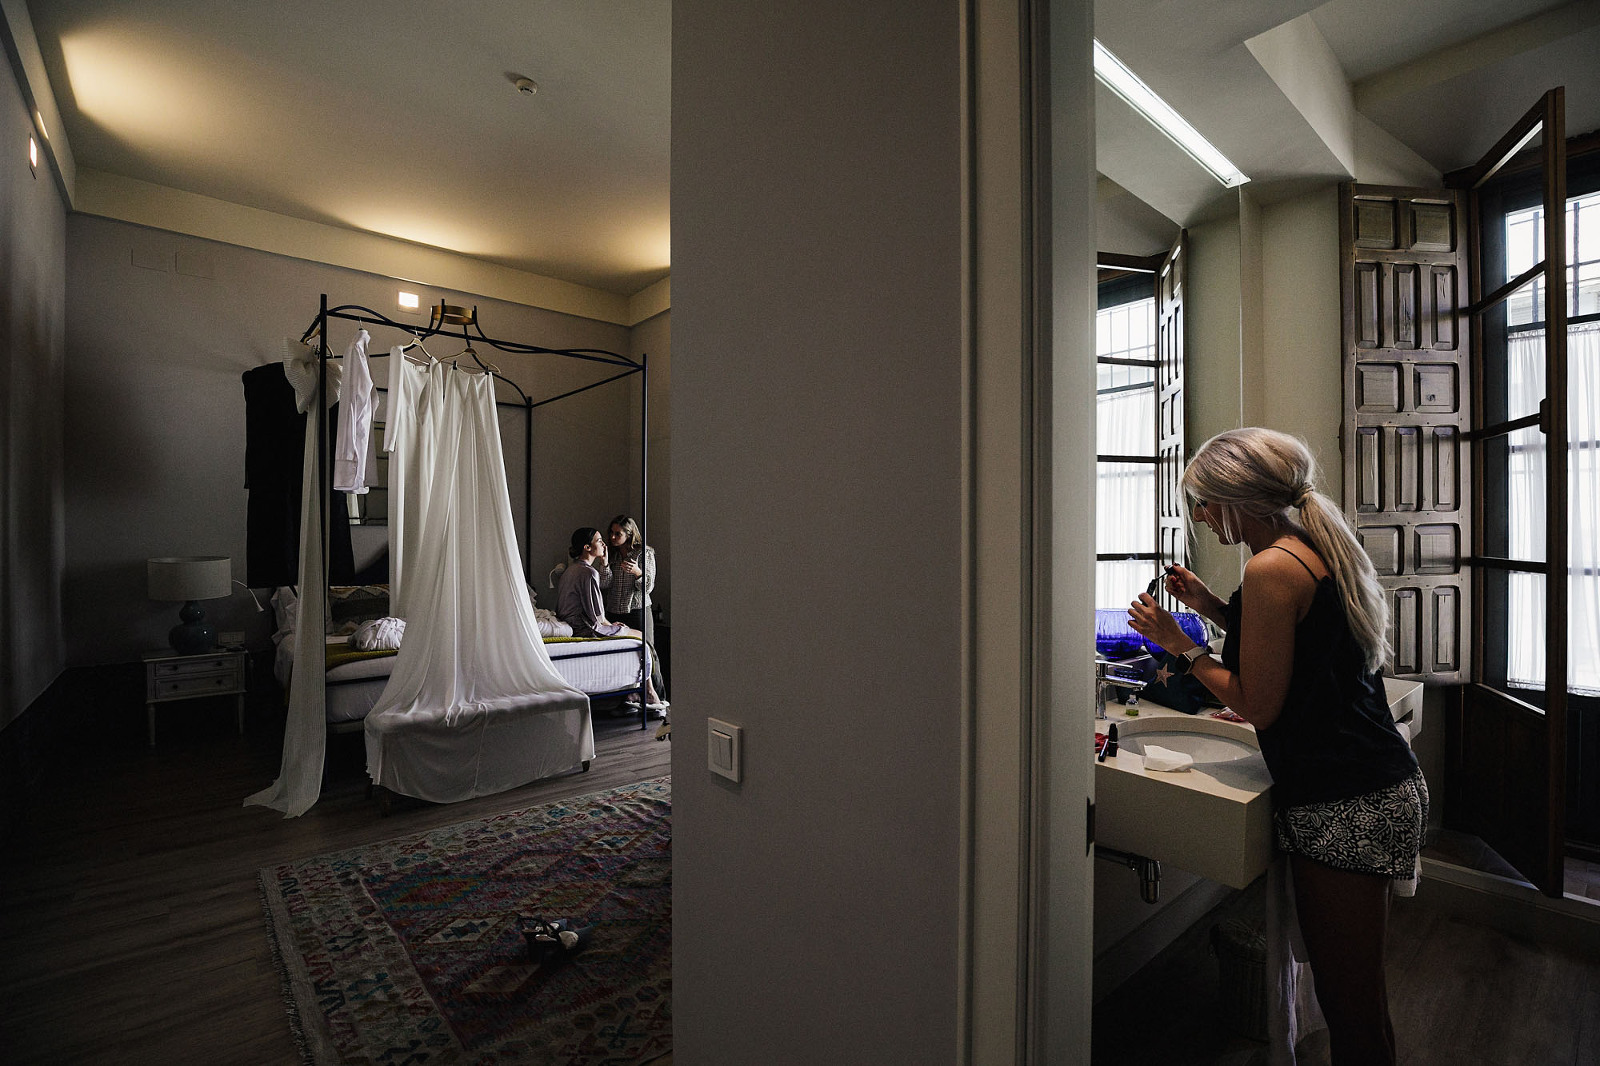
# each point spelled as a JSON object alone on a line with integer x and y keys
{"x": 1171, "y": 545}
{"x": 1406, "y": 397}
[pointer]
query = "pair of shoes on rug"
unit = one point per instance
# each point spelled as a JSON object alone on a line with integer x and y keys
{"x": 554, "y": 939}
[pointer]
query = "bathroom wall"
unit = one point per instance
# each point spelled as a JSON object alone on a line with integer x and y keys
{"x": 1292, "y": 380}
{"x": 1214, "y": 382}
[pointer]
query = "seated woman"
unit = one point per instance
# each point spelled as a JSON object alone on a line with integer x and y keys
{"x": 578, "y": 601}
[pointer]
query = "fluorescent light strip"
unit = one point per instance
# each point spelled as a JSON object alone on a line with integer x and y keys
{"x": 1126, "y": 84}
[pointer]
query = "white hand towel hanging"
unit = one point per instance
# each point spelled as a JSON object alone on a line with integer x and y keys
{"x": 300, "y": 368}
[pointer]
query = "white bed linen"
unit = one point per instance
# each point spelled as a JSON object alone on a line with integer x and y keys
{"x": 598, "y": 668}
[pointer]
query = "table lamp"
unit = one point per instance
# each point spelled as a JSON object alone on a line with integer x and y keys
{"x": 189, "y": 579}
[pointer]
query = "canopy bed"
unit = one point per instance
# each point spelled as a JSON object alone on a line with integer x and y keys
{"x": 471, "y": 699}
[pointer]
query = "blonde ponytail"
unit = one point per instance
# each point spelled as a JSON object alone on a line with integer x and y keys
{"x": 1271, "y": 476}
{"x": 1366, "y": 608}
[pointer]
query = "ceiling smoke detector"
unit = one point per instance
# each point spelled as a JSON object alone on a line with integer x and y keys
{"x": 526, "y": 86}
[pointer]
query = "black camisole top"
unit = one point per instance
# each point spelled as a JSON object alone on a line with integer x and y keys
{"x": 1334, "y": 739}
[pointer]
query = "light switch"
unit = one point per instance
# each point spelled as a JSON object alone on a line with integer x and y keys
{"x": 724, "y": 742}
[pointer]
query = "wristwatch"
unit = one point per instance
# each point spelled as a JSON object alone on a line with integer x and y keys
{"x": 1184, "y": 661}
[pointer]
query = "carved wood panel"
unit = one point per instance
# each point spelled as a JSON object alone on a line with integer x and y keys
{"x": 1406, "y": 400}
{"x": 1171, "y": 542}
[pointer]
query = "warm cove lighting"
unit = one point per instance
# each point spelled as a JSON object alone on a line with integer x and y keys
{"x": 1126, "y": 84}
{"x": 410, "y": 301}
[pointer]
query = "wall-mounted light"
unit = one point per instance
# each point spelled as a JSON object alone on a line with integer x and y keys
{"x": 33, "y": 156}
{"x": 1139, "y": 96}
{"x": 410, "y": 301}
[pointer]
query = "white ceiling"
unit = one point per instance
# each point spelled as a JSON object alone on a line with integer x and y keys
{"x": 396, "y": 118}
{"x": 399, "y": 118}
{"x": 1428, "y": 83}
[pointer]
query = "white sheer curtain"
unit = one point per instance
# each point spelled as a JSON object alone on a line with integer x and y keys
{"x": 474, "y": 705}
{"x": 1526, "y": 471}
{"x": 1125, "y": 493}
{"x": 305, "y": 730}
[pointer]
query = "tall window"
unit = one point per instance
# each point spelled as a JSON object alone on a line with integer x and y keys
{"x": 1125, "y": 409}
{"x": 1524, "y": 463}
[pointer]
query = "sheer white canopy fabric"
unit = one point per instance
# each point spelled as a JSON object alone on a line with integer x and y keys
{"x": 305, "y": 733}
{"x": 473, "y": 705}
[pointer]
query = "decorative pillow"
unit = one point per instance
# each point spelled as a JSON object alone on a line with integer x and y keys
{"x": 356, "y": 603}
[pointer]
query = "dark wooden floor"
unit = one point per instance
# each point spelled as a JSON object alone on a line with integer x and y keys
{"x": 131, "y": 928}
{"x": 1461, "y": 994}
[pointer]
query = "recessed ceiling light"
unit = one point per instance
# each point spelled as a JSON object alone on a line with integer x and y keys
{"x": 409, "y": 301}
{"x": 1139, "y": 96}
{"x": 33, "y": 155}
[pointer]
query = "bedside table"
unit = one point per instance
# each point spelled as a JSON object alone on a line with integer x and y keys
{"x": 170, "y": 676}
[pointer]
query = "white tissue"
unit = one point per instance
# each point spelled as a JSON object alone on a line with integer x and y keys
{"x": 1165, "y": 759}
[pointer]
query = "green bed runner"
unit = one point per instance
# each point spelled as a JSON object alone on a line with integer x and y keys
{"x": 340, "y": 654}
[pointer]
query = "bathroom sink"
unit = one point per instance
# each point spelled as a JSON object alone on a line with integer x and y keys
{"x": 1202, "y": 747}
{"x": 1213, "y": 819}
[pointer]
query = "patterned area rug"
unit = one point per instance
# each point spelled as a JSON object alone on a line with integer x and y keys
{"x": 408, "y": 951}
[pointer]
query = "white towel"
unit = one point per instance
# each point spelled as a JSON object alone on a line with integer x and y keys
{"x": 380, "y": 633}
{"x": 1292, "y": 1007}
{"x": 1165, "y": 759}
{"x": 300, "y": 368}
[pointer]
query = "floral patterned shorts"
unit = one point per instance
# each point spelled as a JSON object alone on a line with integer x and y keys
{"x": 1377, "y": 833}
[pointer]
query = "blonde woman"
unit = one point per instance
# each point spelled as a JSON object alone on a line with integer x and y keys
{"x": 1307, "y": 634}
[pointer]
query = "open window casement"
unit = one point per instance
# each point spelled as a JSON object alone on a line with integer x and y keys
{"x": 1423, "y": 433}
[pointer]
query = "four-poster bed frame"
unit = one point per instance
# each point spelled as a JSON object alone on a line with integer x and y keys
{"x": 443, "y": 316}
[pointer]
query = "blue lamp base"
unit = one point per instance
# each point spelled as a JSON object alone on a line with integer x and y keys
{"x": 192, "y": 636}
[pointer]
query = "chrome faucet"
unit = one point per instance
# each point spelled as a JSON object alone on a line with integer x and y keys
{"x": 1105, "y": 679}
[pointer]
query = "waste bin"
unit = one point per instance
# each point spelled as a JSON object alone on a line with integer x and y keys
{"x": 1241, "y": 950}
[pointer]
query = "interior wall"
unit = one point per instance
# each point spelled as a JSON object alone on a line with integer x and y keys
{"x": 1301, "y": 353}
{"x": 817, "y": 249}
{"x": 161, "y": 328}
{"x": 1214, "y": 381}
{"x": 653, "y": 338}
{"x": 32, "y": 359}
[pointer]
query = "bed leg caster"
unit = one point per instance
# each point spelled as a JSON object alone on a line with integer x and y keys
{"x": 585, "y": 767}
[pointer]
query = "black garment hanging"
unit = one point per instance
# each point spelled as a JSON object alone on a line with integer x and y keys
{"x": 274, "y": 464}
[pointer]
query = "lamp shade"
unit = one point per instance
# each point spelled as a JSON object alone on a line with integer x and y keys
{"x": 191, "y": 577}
